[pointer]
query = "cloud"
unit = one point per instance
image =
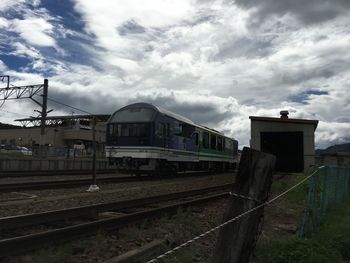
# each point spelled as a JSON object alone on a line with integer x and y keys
{"x": 22, "y": 50}
{"x": 307, "y": 12}
{"x": 35, "y": 31}
{"x": 2, "y": 66}
{"x": 8, "y": 4}
{"x": 201, "y": 59}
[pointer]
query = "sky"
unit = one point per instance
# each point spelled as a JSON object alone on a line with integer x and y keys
{"x": 215, "y": 62}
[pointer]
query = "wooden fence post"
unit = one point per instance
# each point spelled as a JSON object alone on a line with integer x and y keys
{"x": 236, "y": 241}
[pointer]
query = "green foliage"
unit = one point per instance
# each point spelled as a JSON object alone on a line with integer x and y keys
{"x": 335, "y": 229}
{"x": 54, "y": 255}
{"x": 185, "y": 218}
{"x": 14, "y": 155}
{"x": 182, "y": 256}
{"x": 331, "y": 243}
{"x": 297, "y": 250}
{"x": 296, "y": 196}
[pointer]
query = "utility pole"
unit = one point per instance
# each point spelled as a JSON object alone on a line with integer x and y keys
{"x": 28, "y": 92}
{"x": 43, "y": 118}
{"x": 93, "y": 187}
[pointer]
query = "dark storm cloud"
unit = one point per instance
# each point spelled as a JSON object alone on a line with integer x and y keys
{"x": 308, "y": 12}
{"x": 303, "y": 75}
{"x": 94, "y": 104}
{"x": 130, "y": 27}
{"x": 200, "y": 113}
{"x": 246, "y": 47}
{"x": 304, "y": 96}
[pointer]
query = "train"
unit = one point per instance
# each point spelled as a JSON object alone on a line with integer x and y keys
{"x": 144, "y": 138}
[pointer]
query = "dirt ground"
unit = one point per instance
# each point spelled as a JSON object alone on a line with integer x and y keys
{"x": 281, "y": 220}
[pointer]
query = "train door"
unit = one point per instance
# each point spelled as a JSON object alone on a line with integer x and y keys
{"x": 167, "y": 135}
{"x": 195, "y": 138}
{"x": 161, "y": 135}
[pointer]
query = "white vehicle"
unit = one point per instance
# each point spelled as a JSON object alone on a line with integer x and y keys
{"x": 24, "y": 150}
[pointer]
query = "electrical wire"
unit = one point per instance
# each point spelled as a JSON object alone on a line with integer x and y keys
{"x": 19, "y": 114}
{"x": 58, "y": 102}
{"x": 171, "y": 251}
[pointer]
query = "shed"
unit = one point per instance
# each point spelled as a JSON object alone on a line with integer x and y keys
{"x": 292, "y": 141}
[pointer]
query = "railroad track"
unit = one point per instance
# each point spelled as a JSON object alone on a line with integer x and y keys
{"x": 19, "y": 244}
{"x": 51, "y": 184}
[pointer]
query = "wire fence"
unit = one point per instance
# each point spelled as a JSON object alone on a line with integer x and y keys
{"x": 328, "y": 187}
{"x": 261, "y": 205}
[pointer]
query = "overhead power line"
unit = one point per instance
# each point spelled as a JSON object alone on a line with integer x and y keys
{"x": 64, "y": 104}
{"x": 11, "y": 112}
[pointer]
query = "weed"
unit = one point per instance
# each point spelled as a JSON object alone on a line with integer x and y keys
{"x": 54, "y": 255}
{"x": 331, "y": 242}
{"x": 182, "y": 256}
{"x": 297, "y": 250}
{"x": 185, "y": 218}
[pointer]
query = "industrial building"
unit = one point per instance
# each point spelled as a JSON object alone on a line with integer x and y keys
{"x": 292, "y": 141}
{"x": 61, "y": 132}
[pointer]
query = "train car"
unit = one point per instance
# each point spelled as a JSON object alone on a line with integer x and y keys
{"x": 144, "y": 138}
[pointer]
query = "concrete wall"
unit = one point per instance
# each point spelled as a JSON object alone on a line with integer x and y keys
{"x": 308, "y": 136}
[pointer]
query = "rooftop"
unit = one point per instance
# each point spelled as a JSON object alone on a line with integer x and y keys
{"x": 285, "y": 120}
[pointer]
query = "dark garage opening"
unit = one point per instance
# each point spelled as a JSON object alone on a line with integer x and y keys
{"x": 288, "y": 147}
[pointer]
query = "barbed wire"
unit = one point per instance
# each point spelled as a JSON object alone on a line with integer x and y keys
{"x": 171, "y": 251}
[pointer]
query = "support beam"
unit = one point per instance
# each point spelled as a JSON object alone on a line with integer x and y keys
{"x": 43, "y": 118}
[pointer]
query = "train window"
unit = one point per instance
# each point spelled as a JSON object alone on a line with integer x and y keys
{"x": 167, "y": 130}
{"x": 195, "y": 136}
{"x": 212, "y": 142}
{"x": 205, "y": 140}
{"x": 187, "y": 130}
{"x": 228, "y": 144}
{"x": 112, "y": 129}
{"x": 133, "y": 115}
{"x": 133, "y": 130}
{"x": 219, "y": 146}
{"x": 177, "y": 128}
{"x": 160, "y": 132}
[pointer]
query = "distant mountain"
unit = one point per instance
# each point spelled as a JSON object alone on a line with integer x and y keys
{"x": 8, "y": 126}
{"x": 345, "y": 148}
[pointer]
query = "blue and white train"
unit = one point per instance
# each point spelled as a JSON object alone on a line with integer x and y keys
{"x": 144, "y": 138}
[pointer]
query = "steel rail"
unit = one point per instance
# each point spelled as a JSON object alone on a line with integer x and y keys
{"x": 11, "y": 222}
{"x": 39, "y": 185}
{"x": 51, "y": 184}
{"x": 25, "y": 243}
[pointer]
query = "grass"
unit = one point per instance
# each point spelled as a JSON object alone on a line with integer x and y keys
{"x": 330, "y": 244}
{"x": 185, "y": 255}
{"x": 62, "y": 253}
{"x": 295, "y": 197}
{"x": 54, "y": 255}
{"x": 16, "y": 155}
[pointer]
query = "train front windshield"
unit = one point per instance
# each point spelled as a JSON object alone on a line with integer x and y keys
{"x": 130, "y": 129}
